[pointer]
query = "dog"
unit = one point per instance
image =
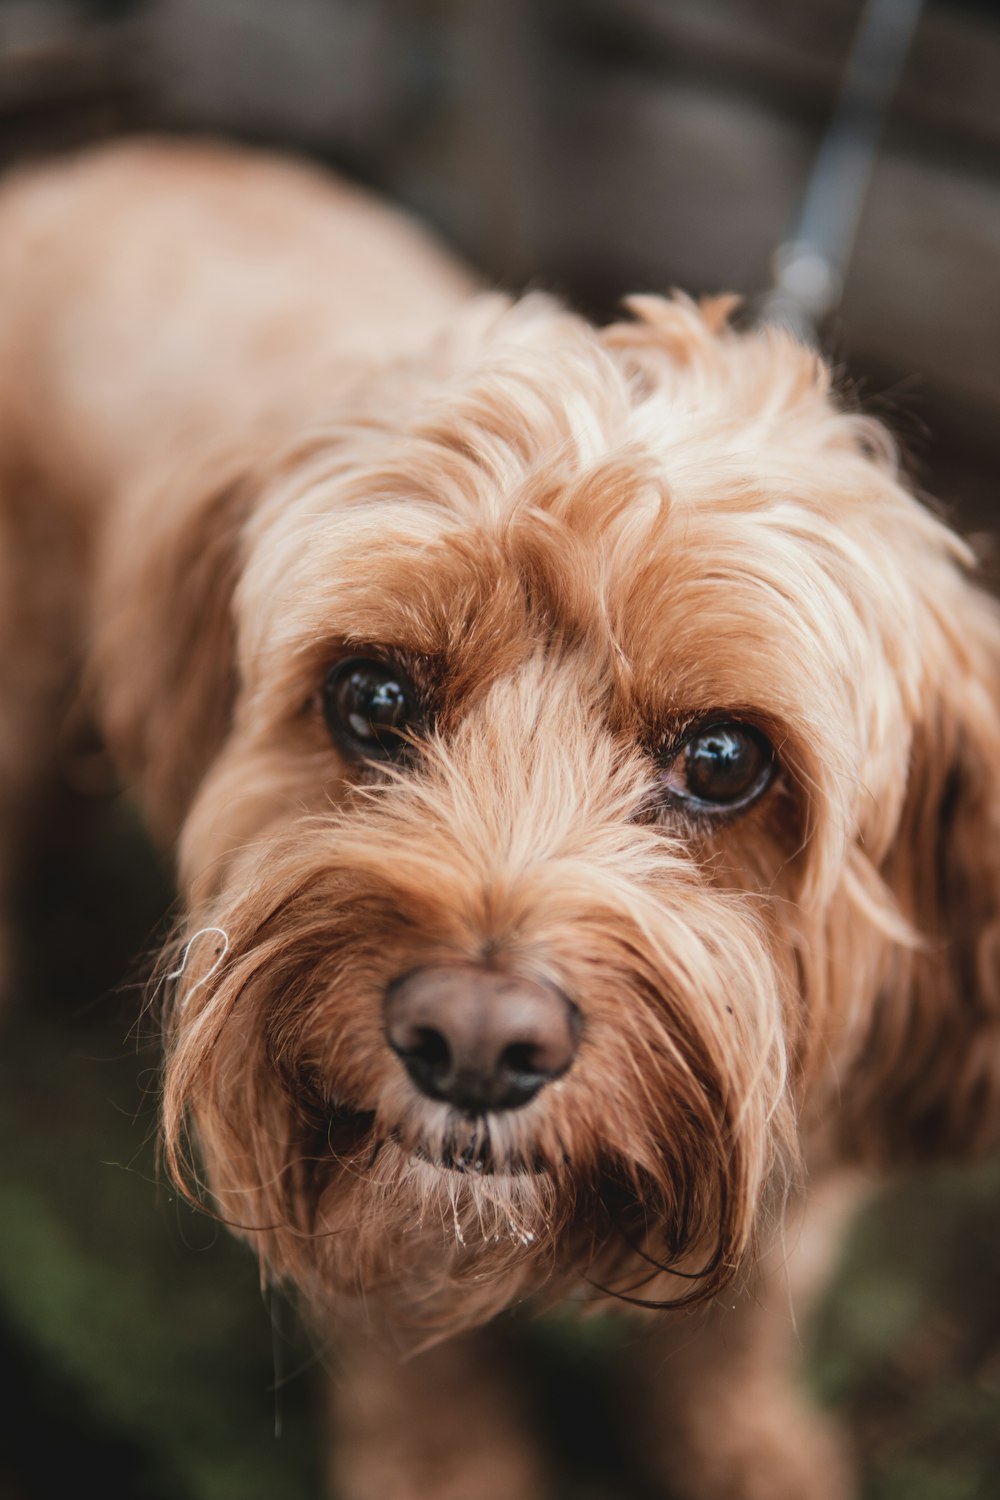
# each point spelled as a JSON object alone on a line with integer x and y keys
{"x": 581, "y": 755}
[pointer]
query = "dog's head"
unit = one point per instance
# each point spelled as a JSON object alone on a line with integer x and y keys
{"x": 585, "y": 760}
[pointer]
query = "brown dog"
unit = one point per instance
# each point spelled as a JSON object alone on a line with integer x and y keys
{"x": 583, "y": 760}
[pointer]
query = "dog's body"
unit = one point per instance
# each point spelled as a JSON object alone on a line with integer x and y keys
{"x": 584, "y": 763}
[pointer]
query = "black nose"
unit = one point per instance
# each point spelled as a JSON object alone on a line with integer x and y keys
{"x": 480, "y": 1039}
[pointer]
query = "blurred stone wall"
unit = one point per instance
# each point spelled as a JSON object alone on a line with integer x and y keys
{"x": 594, "y": 145}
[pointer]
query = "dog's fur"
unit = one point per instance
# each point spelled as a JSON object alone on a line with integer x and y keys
{"x": 250, "y": 423}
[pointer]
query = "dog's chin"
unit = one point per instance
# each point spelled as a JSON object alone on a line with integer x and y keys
{"x": 438, "y": 1216}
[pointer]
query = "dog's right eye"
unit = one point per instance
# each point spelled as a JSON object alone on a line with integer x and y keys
{"x": 369, "y": 706}
{"x": 722, "y": 767}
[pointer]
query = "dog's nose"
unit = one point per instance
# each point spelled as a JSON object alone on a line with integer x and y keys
{"x": 477, "y": 1038}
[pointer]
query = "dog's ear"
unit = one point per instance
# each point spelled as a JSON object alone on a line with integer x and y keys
{"x": 163, "y": 670}
{"x": 928, "y": 1081}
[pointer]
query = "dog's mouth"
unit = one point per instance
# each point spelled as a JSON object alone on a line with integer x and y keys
{"x": 466, "y": 1145}
{"x": 475, "y": 1157}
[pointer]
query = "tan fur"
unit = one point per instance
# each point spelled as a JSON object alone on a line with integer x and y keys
{"x": 279, "y": 426}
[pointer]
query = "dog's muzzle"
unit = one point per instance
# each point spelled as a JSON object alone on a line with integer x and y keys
{"x": 479, "y": 1039}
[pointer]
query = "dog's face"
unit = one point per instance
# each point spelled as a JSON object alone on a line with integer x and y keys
{"x": 587, "y": 792}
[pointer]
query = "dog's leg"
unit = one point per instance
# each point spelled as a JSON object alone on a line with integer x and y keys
{"x": 440, "y": 1425}
{"x": 722, "y": 1402}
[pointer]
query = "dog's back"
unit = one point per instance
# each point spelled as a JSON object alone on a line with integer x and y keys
{"x": 163, "y": 294}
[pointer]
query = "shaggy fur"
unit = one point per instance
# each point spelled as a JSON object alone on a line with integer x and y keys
{"x": 271, "y": 427}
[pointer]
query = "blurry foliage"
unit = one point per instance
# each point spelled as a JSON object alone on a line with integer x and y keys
{"x": 132, "y": 1327}
{"x": 908, "y": 1344}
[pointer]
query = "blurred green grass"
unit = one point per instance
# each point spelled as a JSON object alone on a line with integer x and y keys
{"x": 142, "y": 1349}
{"x": 136, "y": 1343}
{"x": 907, "y": 1345}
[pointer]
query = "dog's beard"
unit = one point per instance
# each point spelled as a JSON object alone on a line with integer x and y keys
{"x": 643, "y": 1172}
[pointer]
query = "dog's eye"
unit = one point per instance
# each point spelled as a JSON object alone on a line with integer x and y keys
{"x": 369, "y": 706}
{"x": 721, "y": 767}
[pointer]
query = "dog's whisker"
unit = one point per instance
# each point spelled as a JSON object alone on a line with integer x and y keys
{"x": 221, "y": 950}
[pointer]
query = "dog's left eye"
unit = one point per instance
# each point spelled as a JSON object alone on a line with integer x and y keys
{"x": 369, "y": 706}
{"x": 722, "y": 767}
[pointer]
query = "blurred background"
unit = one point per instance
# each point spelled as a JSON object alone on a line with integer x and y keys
{"x": 594, "y": 147}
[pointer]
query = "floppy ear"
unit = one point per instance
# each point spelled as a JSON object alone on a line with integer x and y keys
{"x": 163, "y": 667}
{"x": 929, "y": 1075}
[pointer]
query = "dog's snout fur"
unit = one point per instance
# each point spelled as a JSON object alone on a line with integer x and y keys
{"x": 480, "y": 1039}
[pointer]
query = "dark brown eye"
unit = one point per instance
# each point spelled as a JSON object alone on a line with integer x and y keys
{"x": 721, "y": 768}
{"x": 369, "y": 706}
